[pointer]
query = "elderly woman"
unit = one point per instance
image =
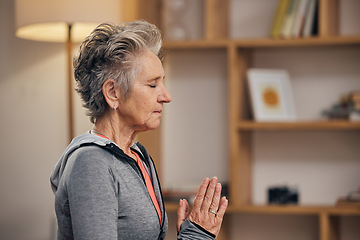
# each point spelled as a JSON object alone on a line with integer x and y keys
{"x": 105, "y": 185}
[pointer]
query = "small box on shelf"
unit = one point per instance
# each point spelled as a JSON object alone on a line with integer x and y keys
{"x": 283, "y": 195}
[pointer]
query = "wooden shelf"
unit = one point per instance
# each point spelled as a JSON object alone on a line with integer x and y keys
{"x": 200, "y": 44}
{"x": 305, "y": 125}
{"x": 294, "y": 210}
{"x": 298, "y": 42}
{"x": 264, "y": 42}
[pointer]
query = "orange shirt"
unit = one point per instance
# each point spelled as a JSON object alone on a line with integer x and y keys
{"x": 148, "y": 183}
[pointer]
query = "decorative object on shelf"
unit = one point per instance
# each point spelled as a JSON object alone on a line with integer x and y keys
{"x": 177, "y": 28}
{"x": 351, "y": 200}
{"x": 283, "y": 195}
{"x": 271, "y": 95}
{"x": 183, "y": 20}
{"x": 355, "y": 99}
{"x": 348, "y": 107}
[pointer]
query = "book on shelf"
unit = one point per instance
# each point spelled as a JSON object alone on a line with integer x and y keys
{"x": 311, "y": 19}
{"x": 279, "y": 17}
{"x": 315, "y": 26}
{"x": 289, "y": 19}
{"x": 295, "y": 19}
{"x": 300, "y": 18}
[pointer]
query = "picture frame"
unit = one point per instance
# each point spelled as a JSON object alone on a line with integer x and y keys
{"x": 271, "y": 95}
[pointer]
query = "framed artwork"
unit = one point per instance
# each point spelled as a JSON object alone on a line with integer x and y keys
{"x": 271, "y": 95}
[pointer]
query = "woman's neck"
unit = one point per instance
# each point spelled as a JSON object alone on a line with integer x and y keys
{"x": 122, "y": 135}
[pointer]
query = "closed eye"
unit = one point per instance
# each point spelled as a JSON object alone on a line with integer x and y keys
{"x": 153, "y": 83}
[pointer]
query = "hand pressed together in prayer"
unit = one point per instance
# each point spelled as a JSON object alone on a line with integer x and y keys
{"x": 208, "y": 209}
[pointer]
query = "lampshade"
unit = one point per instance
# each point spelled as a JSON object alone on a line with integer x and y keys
{"x": 63, "y": 21}
{"x": 49, "y": 20}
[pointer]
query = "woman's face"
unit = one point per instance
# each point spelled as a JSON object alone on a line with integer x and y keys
{"x": 142, "y": 109}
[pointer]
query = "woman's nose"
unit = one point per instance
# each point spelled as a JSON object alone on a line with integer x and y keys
{"x": 165, "y": 96}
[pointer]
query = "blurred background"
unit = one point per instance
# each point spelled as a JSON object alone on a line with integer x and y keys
{"x": 194, "y": 141}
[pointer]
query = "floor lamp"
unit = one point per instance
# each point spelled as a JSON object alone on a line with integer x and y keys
{"x": 64, "y": 21}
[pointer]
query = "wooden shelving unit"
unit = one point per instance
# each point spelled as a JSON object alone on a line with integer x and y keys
{"x": 241, "y": 125}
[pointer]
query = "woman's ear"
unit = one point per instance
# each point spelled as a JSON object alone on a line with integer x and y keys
{"x": 111, "y": 93}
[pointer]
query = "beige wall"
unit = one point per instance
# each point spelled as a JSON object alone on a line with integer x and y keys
{"x": 33, "y": 132}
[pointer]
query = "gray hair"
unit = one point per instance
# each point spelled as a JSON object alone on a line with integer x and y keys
{"x": 110, "y": 52}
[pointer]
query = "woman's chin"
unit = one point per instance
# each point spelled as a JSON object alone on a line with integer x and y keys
{"x": 150, "y": 126}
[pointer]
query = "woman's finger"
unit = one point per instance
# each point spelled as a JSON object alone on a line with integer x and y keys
{"x": 222, "y": 208}
{"x": 201, "y": 193}
{"x": 216, "y": 198}
{"x": 209, "y": 195}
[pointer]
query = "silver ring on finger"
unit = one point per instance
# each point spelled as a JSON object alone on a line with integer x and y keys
{"x": 213, "y": 211}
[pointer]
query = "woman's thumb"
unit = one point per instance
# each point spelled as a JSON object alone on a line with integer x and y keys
{"x": 182, "y": 213}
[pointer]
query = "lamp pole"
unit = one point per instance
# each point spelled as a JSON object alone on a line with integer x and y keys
{"x": 70, "y": 85}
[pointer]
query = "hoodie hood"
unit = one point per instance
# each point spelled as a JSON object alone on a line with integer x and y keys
{"x": 76, "y": 143}
{"x": 83, "y": 140}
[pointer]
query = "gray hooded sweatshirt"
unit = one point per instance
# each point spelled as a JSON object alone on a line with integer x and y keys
{"x": 100, "y": 193}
